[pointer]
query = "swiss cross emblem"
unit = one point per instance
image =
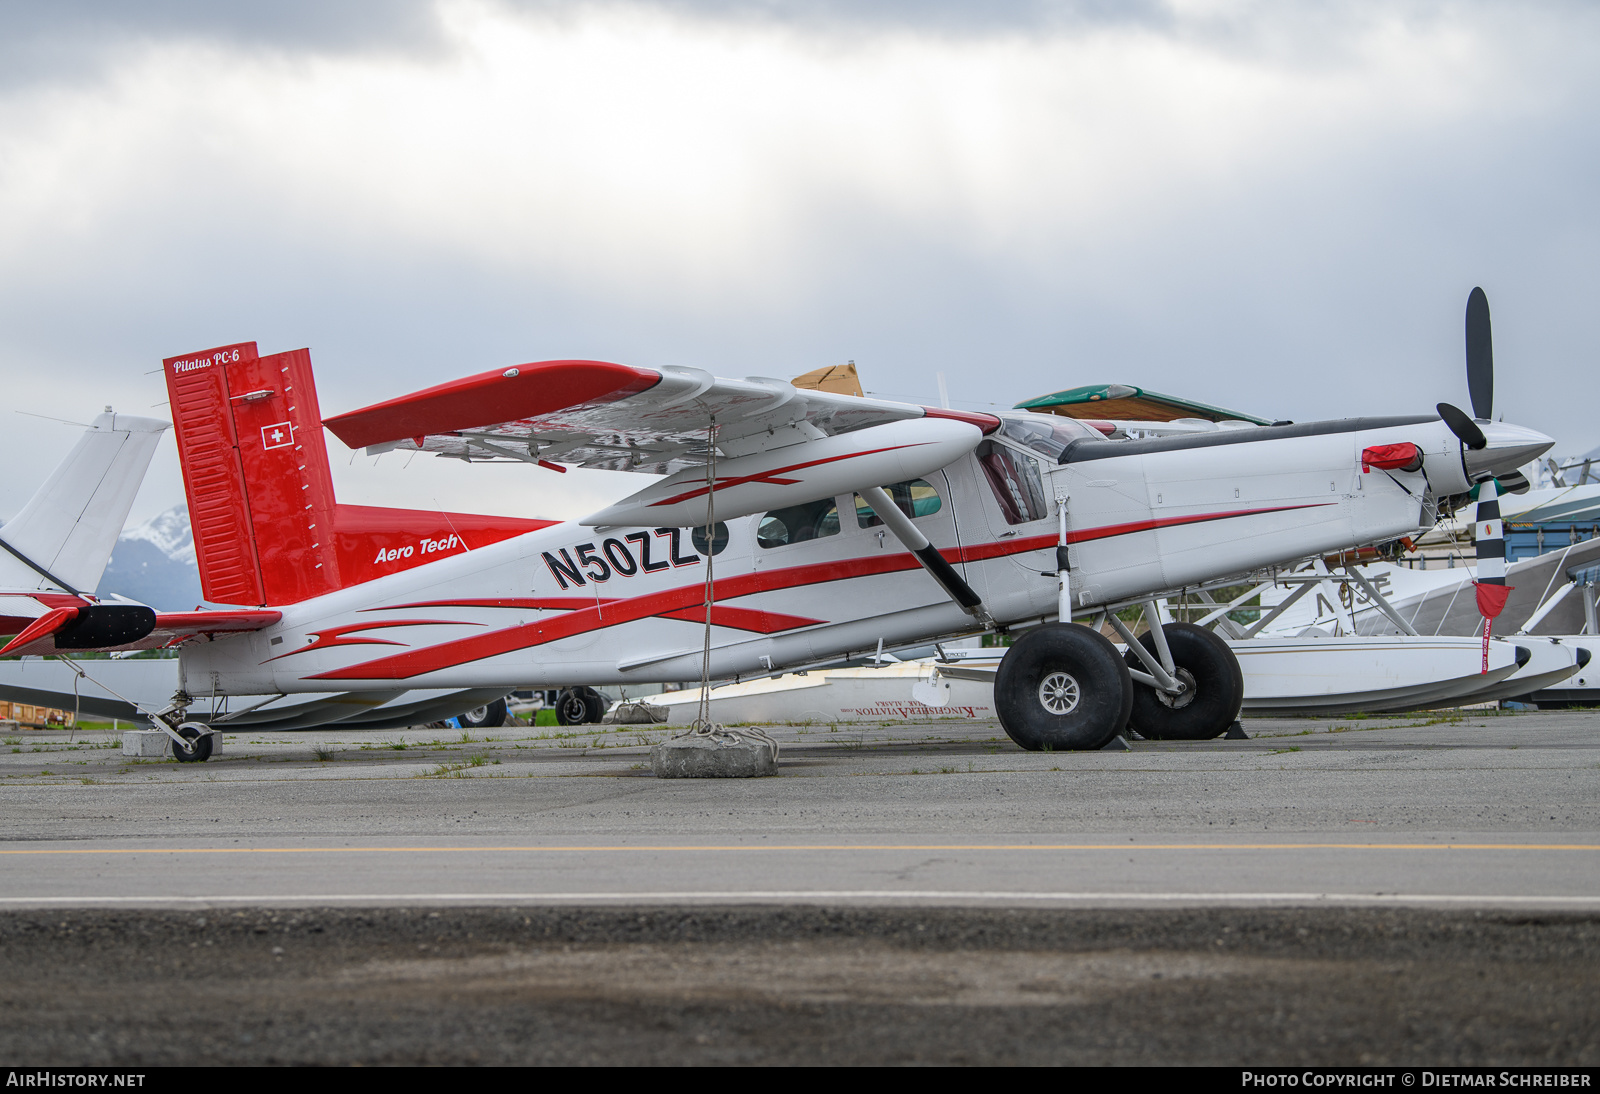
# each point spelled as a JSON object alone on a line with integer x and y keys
{"x": 277, "y": 435}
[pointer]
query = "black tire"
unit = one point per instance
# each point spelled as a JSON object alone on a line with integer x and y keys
{"x": 200, "y": 748}
{"x": 570, "y": 708}
{"x": 596, "y": 706}
{"x": 1062, "y": 687}
{"x": 1205, "y": 662}
{"x": 579, "y": 706}
{"x": 485, "y": 717}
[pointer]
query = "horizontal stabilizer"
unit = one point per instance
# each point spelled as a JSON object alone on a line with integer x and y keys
{"x": 113, "y": 627}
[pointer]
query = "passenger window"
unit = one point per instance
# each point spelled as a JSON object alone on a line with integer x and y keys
{"x": 799, "y": 523}
{"x": 1015, "y": 480}
{"x": 916, "y": 498}
{"x": 719, "y": 538}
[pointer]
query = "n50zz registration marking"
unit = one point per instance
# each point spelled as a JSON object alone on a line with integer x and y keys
{"x": 613, "y": 556}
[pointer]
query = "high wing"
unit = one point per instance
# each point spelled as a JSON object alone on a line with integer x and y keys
{"x": 774, "y": 444}
{"x": 1125, "y": 402}
{"x": 615, "y": 417}
{"x": 110, "y": 627}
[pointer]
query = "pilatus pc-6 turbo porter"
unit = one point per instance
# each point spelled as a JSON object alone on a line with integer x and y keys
{"x": 795, "y": 526}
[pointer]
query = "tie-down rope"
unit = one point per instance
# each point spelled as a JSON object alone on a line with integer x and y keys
{"x": 703, "y": 725}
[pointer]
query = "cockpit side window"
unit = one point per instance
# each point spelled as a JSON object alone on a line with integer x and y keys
{"x": 1016, "y": 483}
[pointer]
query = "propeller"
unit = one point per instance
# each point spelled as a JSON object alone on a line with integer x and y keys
{"x": 1462, "y": 426}
{"x": 1480, "y": 375}
{"x": 1480, "y": 356}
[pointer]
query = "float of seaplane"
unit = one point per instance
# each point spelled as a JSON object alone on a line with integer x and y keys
{"x": 782, "y": 528}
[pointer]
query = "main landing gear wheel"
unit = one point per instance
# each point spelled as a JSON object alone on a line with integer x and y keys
{"x": 199, "y": 747}
{"x": 1212, "y": 699}
{"x": 579, "y": 706}
{"x": 487, "y": 717}
{"x": 1062, "y": 687}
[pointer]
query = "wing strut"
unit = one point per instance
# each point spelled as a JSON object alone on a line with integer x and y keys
{"x": 926, "y": 553}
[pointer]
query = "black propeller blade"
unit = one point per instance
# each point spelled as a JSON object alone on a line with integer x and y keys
{"x": 1462, "y": 426}
{"x": 1480, "y": 359}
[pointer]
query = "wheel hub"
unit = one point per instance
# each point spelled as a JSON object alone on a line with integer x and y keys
{"x": 1184, "y": 697}
{"x": 1059, "y": 693}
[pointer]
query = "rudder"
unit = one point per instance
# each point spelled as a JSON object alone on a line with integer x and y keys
{"x": 267, "y": 527}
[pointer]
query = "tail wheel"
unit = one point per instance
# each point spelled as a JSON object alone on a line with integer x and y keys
{"x": 1213, "y": 694}
{"x": 199, "y": 747}
{"x": 486, "y": 717}
{"x": 1062, "y": 687}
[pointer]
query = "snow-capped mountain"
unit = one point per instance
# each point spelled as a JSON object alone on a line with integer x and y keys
{"x": 154, "y": 563}
{"x": 168, "y": 532}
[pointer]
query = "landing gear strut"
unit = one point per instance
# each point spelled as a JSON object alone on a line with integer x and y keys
{"x": 191, "y": 741}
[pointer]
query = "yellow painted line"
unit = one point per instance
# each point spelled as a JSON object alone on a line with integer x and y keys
{"x": 657, "y": 848}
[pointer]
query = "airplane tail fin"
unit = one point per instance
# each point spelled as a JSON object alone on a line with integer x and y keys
{"x": 65, "y": 534}
{"x": 267, "y": 527}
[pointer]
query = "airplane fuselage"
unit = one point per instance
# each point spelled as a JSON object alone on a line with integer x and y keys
{"x": 570, "y": 604}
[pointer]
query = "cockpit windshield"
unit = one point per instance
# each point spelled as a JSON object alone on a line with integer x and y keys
{"x": 1047, "y": 434}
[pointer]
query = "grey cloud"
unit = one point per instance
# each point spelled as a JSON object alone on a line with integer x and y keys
{"x": 937, "y": 16}
{"x": 70, "y": 40}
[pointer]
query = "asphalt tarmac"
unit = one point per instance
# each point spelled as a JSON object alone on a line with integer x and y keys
{"x": 1419, "y": 889}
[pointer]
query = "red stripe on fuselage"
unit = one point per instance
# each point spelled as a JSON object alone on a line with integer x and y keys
{"x": 1086, "y": 535}
{"x": 767, "y": 476}
{"x": 690, "y": 598}
{"x": 739, "y": 619}
{"x": 339, "y": 636}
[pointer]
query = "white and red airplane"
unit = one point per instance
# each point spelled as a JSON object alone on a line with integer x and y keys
{"x": 836, "y": 524}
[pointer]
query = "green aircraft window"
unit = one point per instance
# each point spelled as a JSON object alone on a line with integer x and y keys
{"x": 916, "y": 498}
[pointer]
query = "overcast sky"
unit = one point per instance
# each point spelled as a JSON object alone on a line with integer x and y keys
{"x": 1275, "y": 207}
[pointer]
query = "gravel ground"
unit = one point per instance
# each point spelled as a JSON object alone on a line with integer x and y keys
{"x": 797, "y": 985}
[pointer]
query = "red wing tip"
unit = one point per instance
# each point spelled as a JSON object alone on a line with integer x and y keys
{"x": 490, "y": 398}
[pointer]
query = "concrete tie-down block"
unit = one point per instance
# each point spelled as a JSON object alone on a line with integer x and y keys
{"x": 721, "y": 757}
{"x": 148, "y": 744}
{"x": 152, "y": 744}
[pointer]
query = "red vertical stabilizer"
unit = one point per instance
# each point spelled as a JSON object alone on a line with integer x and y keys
{"x": 267, "y": 529}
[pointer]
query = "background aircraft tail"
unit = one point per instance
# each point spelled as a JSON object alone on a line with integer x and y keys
{"x": 69, "y": 528}
{"x": 267, "y": 528}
